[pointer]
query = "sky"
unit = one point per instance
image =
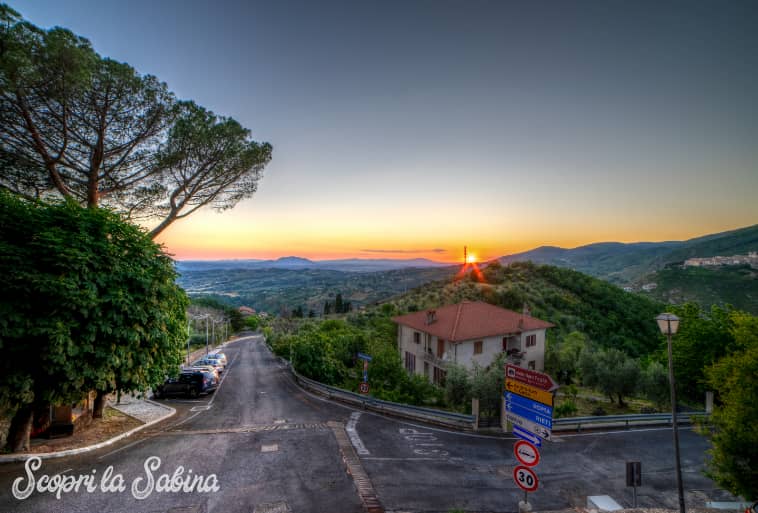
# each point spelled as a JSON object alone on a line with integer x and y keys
{"x": 406, "y": 129}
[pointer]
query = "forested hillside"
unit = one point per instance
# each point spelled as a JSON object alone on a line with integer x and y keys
{"x": 571, "y": 300}
{"x": 629, "y": 264}
{"x": 726, "y": 285}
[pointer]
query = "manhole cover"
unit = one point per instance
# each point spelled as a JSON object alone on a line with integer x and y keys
{"x": 270, "y": 448}
{"x": 273, "y": 507}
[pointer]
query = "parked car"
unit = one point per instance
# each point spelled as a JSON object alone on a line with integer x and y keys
{"x": 205, "y": 368}
{"x": 220, "y": 356}
{"x": 190, "y": 383}
{"x": 216, "y": 364}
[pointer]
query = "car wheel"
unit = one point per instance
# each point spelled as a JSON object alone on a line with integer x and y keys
{"x": 194, "y": 393}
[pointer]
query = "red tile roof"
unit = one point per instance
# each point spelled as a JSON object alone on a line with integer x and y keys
{"x": 471, "y": 320}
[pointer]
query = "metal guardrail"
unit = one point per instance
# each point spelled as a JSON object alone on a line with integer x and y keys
{"x": 641, "y": 418}
{"x": 468, "y": 422}
{"x": 430, "y": 415}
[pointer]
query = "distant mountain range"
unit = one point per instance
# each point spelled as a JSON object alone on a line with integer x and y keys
{"x": 630, "y": 264}
{"x": 288, "y": 282}
{"x": 298, "y": 263}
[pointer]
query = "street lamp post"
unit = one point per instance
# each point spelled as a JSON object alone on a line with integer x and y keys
{"x": 669, "y": 324}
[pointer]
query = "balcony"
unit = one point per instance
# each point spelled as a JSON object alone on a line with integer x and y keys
{"x": 515, "y": 355}
{"x": 431, "y": 357}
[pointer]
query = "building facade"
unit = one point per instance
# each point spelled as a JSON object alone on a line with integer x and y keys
{"x": 468, "y": 333}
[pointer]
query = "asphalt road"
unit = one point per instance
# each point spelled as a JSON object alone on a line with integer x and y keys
{"x": 273, "y": 447}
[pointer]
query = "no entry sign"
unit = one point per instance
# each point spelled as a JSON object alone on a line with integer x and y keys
{"x": 526, "y": 453}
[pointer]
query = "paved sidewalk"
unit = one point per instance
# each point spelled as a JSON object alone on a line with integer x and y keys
{"x": 140, "y": 408}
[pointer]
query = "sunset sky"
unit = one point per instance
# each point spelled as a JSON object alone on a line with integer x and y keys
{"x": 410, "y": 128}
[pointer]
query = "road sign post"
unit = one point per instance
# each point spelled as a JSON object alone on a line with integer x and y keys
{"x": 363, "y": 388}
{"x": 528, "y": 404}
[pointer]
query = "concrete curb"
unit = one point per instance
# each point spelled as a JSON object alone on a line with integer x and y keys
{"x": 9, "y": 458}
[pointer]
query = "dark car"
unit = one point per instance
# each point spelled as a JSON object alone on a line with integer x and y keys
{"x": 189, "y": 383}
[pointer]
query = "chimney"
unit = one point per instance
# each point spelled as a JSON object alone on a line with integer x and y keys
{"x": 526, "y": 311}
{"x": 431, "y": 316}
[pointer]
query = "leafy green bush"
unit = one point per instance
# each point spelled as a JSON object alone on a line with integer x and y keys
{"x": 566, "y": 409}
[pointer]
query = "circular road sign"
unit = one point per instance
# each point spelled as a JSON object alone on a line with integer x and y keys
{"x": 525, "y": 478}
{"x": 363, "y": 388}
{"x": 526, "y": 453}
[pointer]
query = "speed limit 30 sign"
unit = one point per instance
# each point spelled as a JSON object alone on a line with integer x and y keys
{"x": 525, "y": 478}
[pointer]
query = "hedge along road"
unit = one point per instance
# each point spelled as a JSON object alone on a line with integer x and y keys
{"x": 269, "y": 444}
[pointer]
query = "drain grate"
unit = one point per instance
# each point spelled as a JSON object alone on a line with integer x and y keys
{"x": 355, "y": 469}
{"x": 273, "y": 507}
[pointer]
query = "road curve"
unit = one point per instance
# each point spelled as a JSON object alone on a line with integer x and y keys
{"x": 273, "y": 447}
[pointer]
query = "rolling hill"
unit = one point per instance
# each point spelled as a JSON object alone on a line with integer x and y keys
{"x": 661, "y": 263}
{"x": 569, "y": 299}
{"x": 630, "y": 264}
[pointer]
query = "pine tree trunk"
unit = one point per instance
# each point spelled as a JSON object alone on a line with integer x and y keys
{"x": 20, "y": 429}
{"x": 99, "y": 405}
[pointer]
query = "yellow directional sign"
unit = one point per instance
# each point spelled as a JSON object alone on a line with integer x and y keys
{"x": 533, "y": 393}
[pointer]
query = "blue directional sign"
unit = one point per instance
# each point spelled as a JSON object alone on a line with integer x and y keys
{"x": 529, "y": 415}
{"x": 528, "y": 436}
{"x": 364, "y": 357}
{"x": 528, "y": 404}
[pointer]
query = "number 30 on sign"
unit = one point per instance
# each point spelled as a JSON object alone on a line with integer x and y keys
{"x": 525, "y": 478}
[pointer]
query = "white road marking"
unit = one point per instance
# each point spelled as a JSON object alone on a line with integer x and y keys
{"x": 375, "y": 458}
{"x": 270, "y": 448}
{"x": 352, "y": 433}
{"x": 121, "y": 448}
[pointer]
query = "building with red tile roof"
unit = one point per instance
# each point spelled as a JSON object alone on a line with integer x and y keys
{"x": 467, "y": 333}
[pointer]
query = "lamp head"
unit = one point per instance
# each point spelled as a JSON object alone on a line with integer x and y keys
{"x": 668, "y": 323}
